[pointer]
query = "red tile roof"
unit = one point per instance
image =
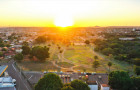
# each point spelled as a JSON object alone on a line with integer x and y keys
{"x": 104, "y": 85}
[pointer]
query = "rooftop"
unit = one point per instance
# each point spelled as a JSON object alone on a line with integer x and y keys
{"x": 7, "y": 88}
{"x": 6, "y": 83}
{"x": 104, "y": 85}
{"x": 3, "y": 68}
{"x": 100, "y": 78}
{"x": 91, "y": 82}
{"x": 5, "y": 80}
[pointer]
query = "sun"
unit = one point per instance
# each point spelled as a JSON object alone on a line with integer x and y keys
{"x": 63, "y": 21}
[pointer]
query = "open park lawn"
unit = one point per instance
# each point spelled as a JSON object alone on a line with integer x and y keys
{"x": 83, "y": 56}
{"x": 79, "y": 55}
{"x": 76, "y": 57}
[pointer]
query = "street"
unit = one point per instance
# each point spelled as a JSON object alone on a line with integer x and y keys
{"x": 21, "y": 83}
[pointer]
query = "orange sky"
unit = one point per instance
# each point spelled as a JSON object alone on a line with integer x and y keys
{"x": 79, "y": 12}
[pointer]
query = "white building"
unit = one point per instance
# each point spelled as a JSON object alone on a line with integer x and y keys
{"x": 18, "y": 50}
{"x": 127, "y": 38}
{"x": 92, "y": 85}
{"x": 7, "y": 83}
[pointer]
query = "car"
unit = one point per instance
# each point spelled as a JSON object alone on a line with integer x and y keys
{"x": 14, "y": 81}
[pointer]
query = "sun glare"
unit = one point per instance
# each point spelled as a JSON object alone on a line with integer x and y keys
{"x": 63, "y": 21}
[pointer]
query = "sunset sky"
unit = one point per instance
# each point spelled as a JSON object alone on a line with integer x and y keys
{"x": 77, "y": 12}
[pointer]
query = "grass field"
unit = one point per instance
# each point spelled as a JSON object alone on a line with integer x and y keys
{"x": 85, "y": 55}
{"x": 37, "y": 66}
{"x": 79, "y": 54}
{"x": 80, "y": 57}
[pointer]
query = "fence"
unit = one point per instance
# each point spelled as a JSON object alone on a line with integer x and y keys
{"x": 24, "y": 76}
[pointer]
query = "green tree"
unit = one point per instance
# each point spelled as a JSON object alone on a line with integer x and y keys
{"x": 50, "y": 81}
{"x": 95, "y": 57}
{"x": 25, "y": 50}
{"x": 18, "y": 57}
{"x": 4, "y": 49}
{"x": 40, "y": 39}
{"x": 79, "y": 85}
{"x": 59, "y": 47}
{"x": 60, "y": 51}
{"x": 1, "y": 40}
{"x": 95, "y": 64}
{"x": 8, "y": 45}
{"x": 108, "y": 51}
{"x": 109, "y": 65}
{"x": 87, "y": 42}
{"x": 40, "y": 52}
{"x": 25, "y": 43}
{"x": 137, "y": 70}
{"x": 2, "y": 45}
{"x": 136, "y": 82}
{"x": 67, "y": 88}
{"x": 120, "y": 80}
{"x": 1, "y": 54}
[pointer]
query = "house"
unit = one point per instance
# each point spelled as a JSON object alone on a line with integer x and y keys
{"x": 17, "y": 46}
{"x": 104, "y": 87}
{"x": 9, "y": 54}
{"x": 92, "y": 85}
{"x": 101, "y": 79}
{"x": 18, "y": 50}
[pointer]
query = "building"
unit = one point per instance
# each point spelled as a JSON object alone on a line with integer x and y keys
{"x": 92, "y": 85}
{"x": 127, "y": 38}
{"x": 18, "y": 50}
{"x": 7, "y": 83}
{"x": 101, "y": 79}
{"x": 104, "y": 87}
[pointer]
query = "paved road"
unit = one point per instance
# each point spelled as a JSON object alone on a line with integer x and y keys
{"x": 21, "y": 83}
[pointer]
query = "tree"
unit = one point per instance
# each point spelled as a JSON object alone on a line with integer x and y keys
{"x": 2, "y": 45}
{"x": 67, "y": 88}
{"x": 40, "y": 52}
{"x": 25, "y": 43}
{"x": 95, "y": 57}
{"x": 120, "y": 80}
{"x": 95, "y": 64}
{"x": 108, "y": 51}
{"x": 4, "y": 49}
{"x": 8, "y": 45}
{"x": 25, "y": 50}
{"x": 87, "y": 42}
{"x": 137, "y": 70}
{"x": 1, "y": 54}
{"x": 136, "y": 82}
{"x": 40, "y": 39}
{"x": 18, "y": 57}
{"x": 60, "y": 51}
{"x": 50, "y": 81}
{"x": 109, "y": 65}
{"x": 136, "y": 61}
{"x": 79, "y": 85}
{"x": 1, "y": 40}
{"x": 59, "y": 47}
